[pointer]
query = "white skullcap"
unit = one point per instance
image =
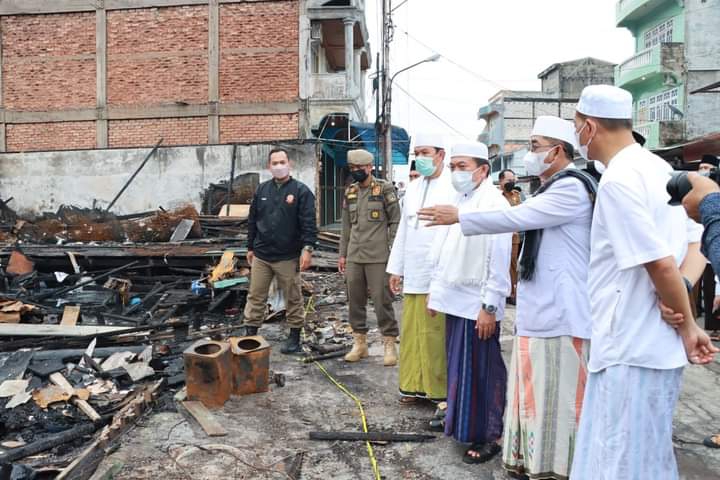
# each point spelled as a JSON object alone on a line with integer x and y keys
{"x": 555, "y": 127}
{"x": 474, "y": 149}
{"x": 429, "y": 140}
{"x": 606, "y": 101}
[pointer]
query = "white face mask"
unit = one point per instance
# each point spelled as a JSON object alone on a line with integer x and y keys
{"x": 463, "y": 181}
{"x": 280, "y": 171}
{"x": 535, "y": 163}
{"x": 583, "y": 148}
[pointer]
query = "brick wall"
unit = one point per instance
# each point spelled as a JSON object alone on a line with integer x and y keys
{"x": 48, "y": 61}
{"x": 174, "y": 131}
{"x": 155, "y": 57}
{"x": 29, "y": 137}
{"x": 258, "y": 128}
{"x": 249, "y": 72}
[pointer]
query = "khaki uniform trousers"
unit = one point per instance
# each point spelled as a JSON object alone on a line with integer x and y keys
{"x": 514, "y": 264}
{"x": 288, "y": 279}
{"x": 361, "y": 277}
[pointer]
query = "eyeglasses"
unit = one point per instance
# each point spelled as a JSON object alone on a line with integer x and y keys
{"x": 536, "y": 148}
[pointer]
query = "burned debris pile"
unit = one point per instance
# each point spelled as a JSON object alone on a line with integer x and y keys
{"x": 99, "y": 311}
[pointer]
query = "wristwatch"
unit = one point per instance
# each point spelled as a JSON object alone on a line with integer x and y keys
{"x": 491, "y": 309}
{"x": 308, "y": 248}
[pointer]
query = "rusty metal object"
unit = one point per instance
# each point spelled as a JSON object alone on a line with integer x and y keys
{"x": 208, "y": 372}
{"x": 250, "y": 365}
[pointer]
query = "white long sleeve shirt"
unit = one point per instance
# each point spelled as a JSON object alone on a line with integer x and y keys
{"x": 466, "y": 301}
{"x": 410, "y": 254}
{"x": 556, "y": 301}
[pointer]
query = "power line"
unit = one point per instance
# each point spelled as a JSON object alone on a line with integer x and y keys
{"x": 459, "y": 65}
{"x": 398, "y": 6}
{"x": 430, "y": 111}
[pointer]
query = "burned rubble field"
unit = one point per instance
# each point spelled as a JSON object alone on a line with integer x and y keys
{"x": 93, "y": 375}
{"x": 96, "y": 312}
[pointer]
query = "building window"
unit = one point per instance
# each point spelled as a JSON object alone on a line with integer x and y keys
{"x": 657, "y": 107}
{"x": 662, "y": 33}
{"x": 641, "y": 116}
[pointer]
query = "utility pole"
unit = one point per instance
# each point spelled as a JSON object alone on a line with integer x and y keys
{"x": 386, "y": 89}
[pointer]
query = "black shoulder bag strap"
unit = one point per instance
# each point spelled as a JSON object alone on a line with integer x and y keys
{"x": 528, "y": 257}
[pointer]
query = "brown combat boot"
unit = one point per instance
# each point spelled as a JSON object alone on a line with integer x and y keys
{"x": 359, "y": 349}
{"x": 391, "y": 357}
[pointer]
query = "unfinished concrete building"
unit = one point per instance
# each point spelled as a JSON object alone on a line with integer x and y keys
{"x": 510, "y": 114}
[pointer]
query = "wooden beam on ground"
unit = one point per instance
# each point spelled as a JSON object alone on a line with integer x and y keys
{"x": 70, "y": 315}
{"x": 85, "y": 465}
{"x": 42, "y": 330}
{"x": 206, "y": 419}
{"x": 58, "y": 379}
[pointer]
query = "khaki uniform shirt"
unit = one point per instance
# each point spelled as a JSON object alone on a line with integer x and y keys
{"x": 514, "y": 199}
{"x": 370, "y": 220}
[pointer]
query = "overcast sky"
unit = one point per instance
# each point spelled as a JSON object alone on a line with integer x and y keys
{"x": 498, "y": 45}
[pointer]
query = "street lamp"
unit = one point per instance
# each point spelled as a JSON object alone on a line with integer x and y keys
{"x": 387, "y": 118}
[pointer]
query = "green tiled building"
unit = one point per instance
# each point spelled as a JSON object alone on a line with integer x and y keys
{"x": 677, "y": 50}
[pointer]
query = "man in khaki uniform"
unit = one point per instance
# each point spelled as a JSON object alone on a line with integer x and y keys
{"x": 370, "y": 218}
{"x": 507, "y": 187}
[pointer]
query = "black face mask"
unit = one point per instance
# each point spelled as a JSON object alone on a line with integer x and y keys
{"x": 508, "y": 187}
{"x": 359, "y": 175}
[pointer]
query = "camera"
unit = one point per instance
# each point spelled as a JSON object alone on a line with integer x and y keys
{"x": 678, "y": 186}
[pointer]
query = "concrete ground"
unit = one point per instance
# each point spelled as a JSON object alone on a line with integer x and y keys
{"x": 267, "y": 431}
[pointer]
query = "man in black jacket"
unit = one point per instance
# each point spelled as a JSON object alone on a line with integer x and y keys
{"x": 282, "y": 233}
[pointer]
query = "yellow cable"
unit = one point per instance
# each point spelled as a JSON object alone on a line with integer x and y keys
{"x": 371, "y": 453}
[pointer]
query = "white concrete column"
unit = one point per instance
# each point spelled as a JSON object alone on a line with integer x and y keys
{"x": 349, "y": 56}
{"x": 358, "y": 69}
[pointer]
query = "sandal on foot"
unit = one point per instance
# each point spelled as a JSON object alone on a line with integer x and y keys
{"x": 481, "y": 453}
{"x": 406, "y": 400}
{"x": 713, "y": 441}
{"x": 472, "y": 454}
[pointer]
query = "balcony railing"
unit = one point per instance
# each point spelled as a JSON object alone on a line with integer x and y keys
{"x": 329, "y": 86}
{"x": 662, "y": 134}
{"x": 640, "y": 59}
{"x": 661, "y": 59}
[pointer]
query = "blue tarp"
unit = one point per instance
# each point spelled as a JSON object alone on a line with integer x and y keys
{"x": 335, "y": 142}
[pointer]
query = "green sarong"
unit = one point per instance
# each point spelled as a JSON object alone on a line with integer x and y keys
{"x": 423, "y": 363}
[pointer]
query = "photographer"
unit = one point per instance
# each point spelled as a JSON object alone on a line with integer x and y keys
{"x": 703, "y": 205}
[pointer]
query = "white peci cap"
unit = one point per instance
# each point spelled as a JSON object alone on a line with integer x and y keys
{"x": 429, "y": 140}
{"x": 474, "y": 149}
{"x": 606, "y": 101}
{"x": 555, "y": 127}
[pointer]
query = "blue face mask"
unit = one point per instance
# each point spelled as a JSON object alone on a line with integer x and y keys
{"x": 425, "y": 166}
